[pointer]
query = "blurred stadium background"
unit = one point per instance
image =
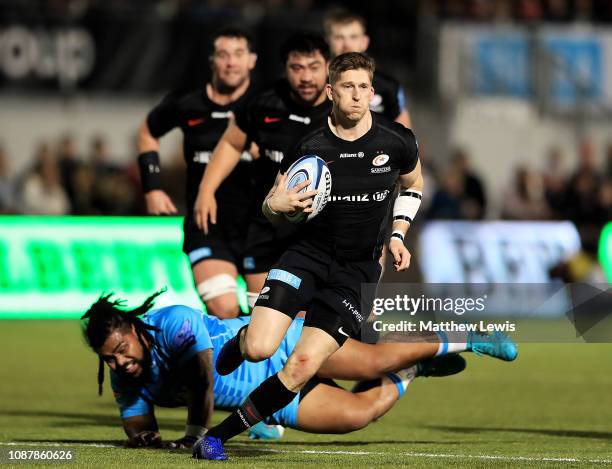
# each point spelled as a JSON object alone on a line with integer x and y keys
{"x": 511, "y": 102}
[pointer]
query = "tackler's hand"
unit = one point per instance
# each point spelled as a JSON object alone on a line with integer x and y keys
{"x": 145, "y": 439}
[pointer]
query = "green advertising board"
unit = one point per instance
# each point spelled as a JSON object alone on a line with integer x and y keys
{"x": 55, "y": 267}
{"x": 605, "y": 251}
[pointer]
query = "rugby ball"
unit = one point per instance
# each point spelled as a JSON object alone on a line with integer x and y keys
{"x": 313, "y": 168}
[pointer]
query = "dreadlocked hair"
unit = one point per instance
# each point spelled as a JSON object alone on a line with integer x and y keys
{"x": 107, "y": 315}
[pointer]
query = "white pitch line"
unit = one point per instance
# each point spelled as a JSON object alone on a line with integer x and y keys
{"x": 342, "y": 452}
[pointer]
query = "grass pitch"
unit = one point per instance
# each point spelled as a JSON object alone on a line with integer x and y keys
{"x": 552, "y": 407}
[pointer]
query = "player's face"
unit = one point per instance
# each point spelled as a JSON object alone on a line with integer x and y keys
{"x": 232, "y": 61}
{"x": 307, "y": 75}
{"x": 352, "y": 93}
{"x": 124, "y": 353}
{"x": 348, "y": 37}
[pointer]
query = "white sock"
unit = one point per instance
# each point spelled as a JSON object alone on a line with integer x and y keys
{"x": 454, "y": 342}
{"x": 403, "y": 378}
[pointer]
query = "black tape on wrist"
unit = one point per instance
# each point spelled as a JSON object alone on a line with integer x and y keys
{"x": 150, "y": 171}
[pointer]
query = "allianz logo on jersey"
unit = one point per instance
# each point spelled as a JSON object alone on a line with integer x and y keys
{"x": 274, "y": 155}
{"x": 359, "y": 154}
{"x": 203, "y": 157}
{"x": 373, "y": 197}
{"x": 303, "y": 120}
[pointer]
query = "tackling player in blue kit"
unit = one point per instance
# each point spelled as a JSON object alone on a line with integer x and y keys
{"x": 164, "y": 357}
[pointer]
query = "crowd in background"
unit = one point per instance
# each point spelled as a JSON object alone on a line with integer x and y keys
{"x": 476, "y": 10}
{"x": 582, "y": 194}
{"x": 65, "y": 179}
{"x": 526, "y": 11}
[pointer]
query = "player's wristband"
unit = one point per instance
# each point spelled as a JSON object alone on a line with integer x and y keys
{"x": 398, "y": 235}
{"x": 195, "y": 431}
{"x": 150, "y": 171}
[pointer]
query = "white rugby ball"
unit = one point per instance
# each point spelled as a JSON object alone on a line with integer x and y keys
{"x": 313, "y": 168}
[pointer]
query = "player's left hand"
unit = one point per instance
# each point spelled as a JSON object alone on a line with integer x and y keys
{"x": 183, "y": 443}
{"x": 145, "y": 439}
{"x": 400, "y": 253}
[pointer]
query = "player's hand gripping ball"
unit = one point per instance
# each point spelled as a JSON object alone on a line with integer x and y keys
{"x": 314, "y": 169}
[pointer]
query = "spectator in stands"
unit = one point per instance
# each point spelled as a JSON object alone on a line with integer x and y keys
{"x": 558, "y": 11}
{"x": 474, "y": 201}
{"x": 555, "y": 181}
{"x": 524, "y": 200}
{"x": 529, "y": 11}
{"x": 581, "y": 196}
{"x": 608, "y": 162}
{"x": 68, "y": 162}
{"x": 6, "y": 185}
{"x": 447, "y": 200}
{"x": 113, "y": 193}
{"x": 42, "y": 191}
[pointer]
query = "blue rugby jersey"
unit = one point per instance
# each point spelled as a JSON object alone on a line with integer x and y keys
{"x": 183, "y": 332}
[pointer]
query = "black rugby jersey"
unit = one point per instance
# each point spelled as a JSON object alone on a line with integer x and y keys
{"x": 275, "y": 122}
{"x": 364, "y": 174}
{"x": 388, "y": 98}
{"x": 203, "y": 123}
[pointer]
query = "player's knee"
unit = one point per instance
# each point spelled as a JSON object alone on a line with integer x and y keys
{"x": 258, "y": 348}
{"x": 223, "y": 307}
{"x": 219, "y": 295}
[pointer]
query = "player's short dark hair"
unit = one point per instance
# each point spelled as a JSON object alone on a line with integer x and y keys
{"x": 304, "y": 43}
{"x": 233, "y": 32}
{"x": 350, "y": 61}
{"x": 341, "y": 16}
{"x": 107, "y": 315}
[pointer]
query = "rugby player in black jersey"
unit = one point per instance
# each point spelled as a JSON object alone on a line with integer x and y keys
{"x": 346, "y": 32}
{"x": 202, "y": 115}
{"x": 274, "y": 119}
{"x": 335, "y": 253}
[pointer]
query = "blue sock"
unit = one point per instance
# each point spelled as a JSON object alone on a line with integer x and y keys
{"x": 402, "y": 379}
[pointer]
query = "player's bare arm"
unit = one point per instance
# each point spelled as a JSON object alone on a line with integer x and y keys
{"x": 224, "y": 159}
{"x": 198, "y": 373}
{"x": 142, "y": 431}
{"x": 404, "y": 211}
{"x": 280, "y": 200}
{"x": 158, "y": 202}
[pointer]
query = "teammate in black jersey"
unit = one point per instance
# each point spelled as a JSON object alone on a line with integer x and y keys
{"x": 274, "y": 119}
{"x": 346, "y": 32}
{"x": 336, "y": 252}
{"x": 202, "y": 115}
